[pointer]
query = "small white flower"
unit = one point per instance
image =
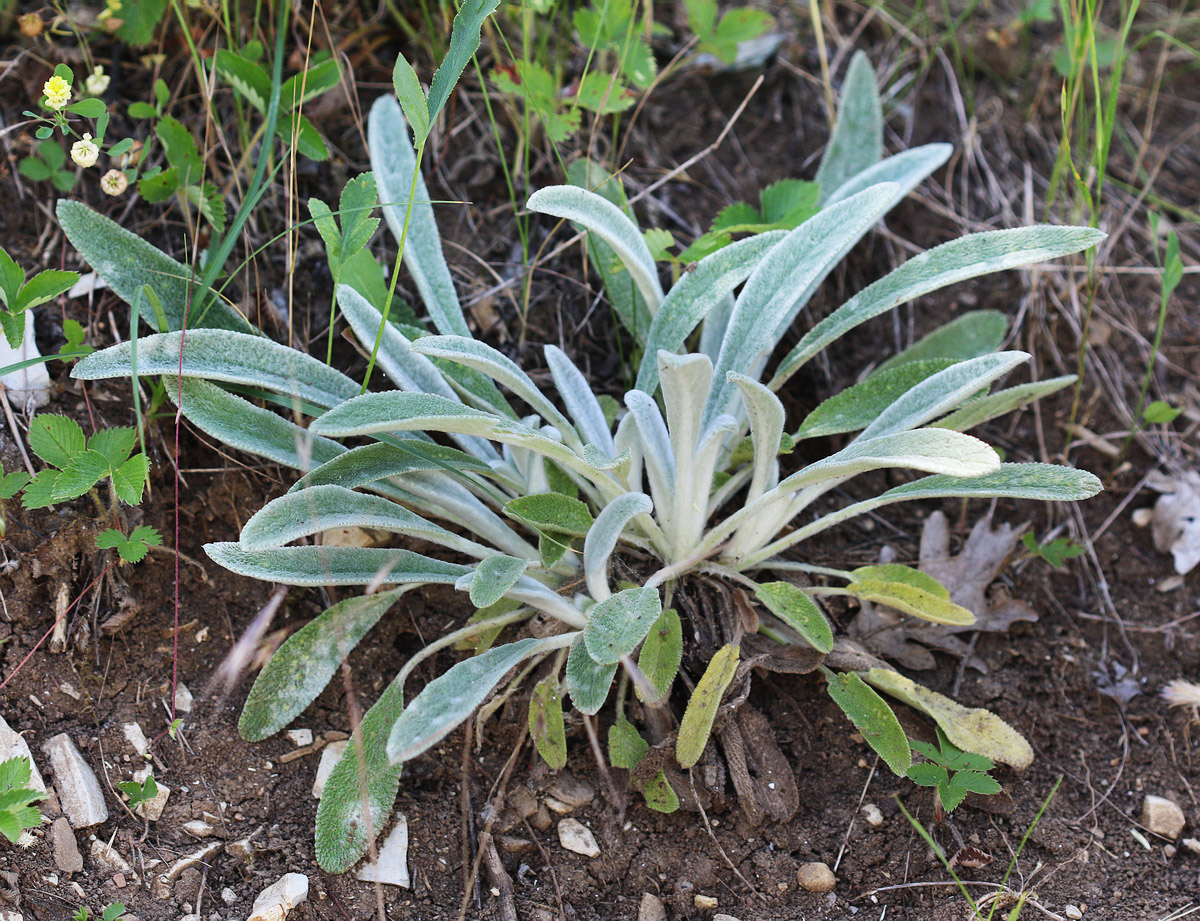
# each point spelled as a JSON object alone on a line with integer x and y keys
{"x": 114, "y": 182}
{"x": 85, "y": 152}
{"x": 97, "y": 81}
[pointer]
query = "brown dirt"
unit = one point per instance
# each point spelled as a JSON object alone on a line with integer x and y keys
{"x": 1046, "y": 678}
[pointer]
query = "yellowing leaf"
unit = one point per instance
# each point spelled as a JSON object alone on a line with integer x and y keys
{"x": 697, "y": 722}
{"x": 911, "y": 600}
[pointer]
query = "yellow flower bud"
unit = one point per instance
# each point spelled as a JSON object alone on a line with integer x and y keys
{"x": 58, "y": 92}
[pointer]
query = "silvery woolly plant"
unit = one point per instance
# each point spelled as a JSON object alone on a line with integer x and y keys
{"x": 579, "y": 530}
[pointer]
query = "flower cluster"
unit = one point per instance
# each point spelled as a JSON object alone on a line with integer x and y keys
{"x": 58, "y": 92}
{"x": 84, "y": 151}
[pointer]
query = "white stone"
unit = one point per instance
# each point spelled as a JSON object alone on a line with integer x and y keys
{"x": 569, "y": 789}
{"x": 228, "y": 896}
{"x": 392, "y": 865}
{"x": 651, "y": 908}
{"x": 29, "y": 387}
{"x": 1191, "y": 844}
{"x": 274, "y": 902}
{"x": 198, "y": 828}
{"x": 136, "y": 737}
{"x": 152, "y": 809}
{"x": 1163, "y": 817}
{"x": 872, "y": 814}
{"x": 577, "y": 838}
{"x": 106, "y": 855}
{"x": 78, "y": 790}
{"x": 329, "y": 759}
{"x": 9, "y": 914}
{"x": 816, "y": 877}
{"x": 183, "y": 698}
{"x": 300, "y": 737}
{"x": 13, "y": 745}
{"x": 1073, "y": 912}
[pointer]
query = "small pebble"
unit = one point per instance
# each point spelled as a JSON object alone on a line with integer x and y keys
{"x": 572, "y": 791}
{"x": 1163, "y": 817}
{"x": 300, "y": 737}
{"x": 277, "y": 900}
{"x": 228, "y": 896}
{"x": 651, "y": 908}
{"x": 66, "y": 849}
{"x": 329, "y": 759}
{"x": 577, "y": 838}
{"x": 198, "y": 828}
{"x": 1073, "y": 912}
{"x": 704, "y": 902}
{"x": 720, "y": 917}
{"x": 816, "y": 877}
{"x": 78, "y": 789}
{"x": 872, "y": 814}
{"x": 392, "y": 865}
{"x": 1191, "y": 844}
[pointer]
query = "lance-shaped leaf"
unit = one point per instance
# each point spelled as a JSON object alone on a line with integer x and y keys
{"x": 872, "y": 717}
{"x": 856, "y": 142}
{"x": 371, "y": 463}
{"x": 242, "y": 425}
{"x": 859, "y": 405}
{"x": 127, "y": 262}
{"x": 493, "y": 578}
{"x": 974, "y": 730}
{"x": 603, "y": 535}
{"x": 912, "y": 600}
{"x": 975, "y": 333}
{"x": 551, "y": 511}
{"x": 546, "y": 722}
{"x": 224, "y": 355}
{"x": 394, "y": 161}
{"x": 588, "y": 682}
{"x": 783, "y": 275}
{"x": 303, "y": 665}
{"x": 690, "y": 300}
{"x": 618, "y": 623}
{"x": 361, "y": 791}
{"x": 697, "y": 722}
{"x": 323, "y": 508}
{"x": 450, "y": 698}
{"x": 793, "y": 606}
{"x": 660, "y": 655}
{"x": 942, "y": 392}
{"x": 958, "y": 260}
{"x": 1044, "y": 482}
{"x": 582, "y": 406}
{"x": 766, "y": 432}
{"x": 905, "y": 575}
{"x": 334, "y": 565}
{"x": 485, "y": 359}
{"x": 1004, "y": 401}
{"x": 608, "y": 222}
{"x": 464, "y": 42}
{"x": 906, "y": 170}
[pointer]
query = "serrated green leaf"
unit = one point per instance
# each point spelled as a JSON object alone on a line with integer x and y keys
{"x": 793, "y": 606}
{"x": 80, "y": 474}
{"x": 138, "y": 19}
{"x": 697, "y": 722}
{"x": 245, "y": 76}
{"x": 56, "y": 439}
{"x": 39, "y": 492}
{"x": 115, "y": 443}
{"x": 464, "y": 40}
{"x": 928, "y": 775}
{"x": 976, "y": 782}
{"x": 661, "y": 654}
{"x": 308, "y": 85}
{"x": 546, "y": 722}
{"x": 307, "y": 660}
{"x": 129, "y": 480}
{"x": 45, "y": 286}
{"x": 872, "y": 717}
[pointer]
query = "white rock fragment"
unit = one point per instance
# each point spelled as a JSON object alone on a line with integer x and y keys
{"x": 13, "y": 745}
{"x": 198, "y": 828}
{"x": 1073, "y": 912}
{"x": 136, "y": 737}
{"x": 183, "y": 698}
{"x": 78, "y": 790}
{"x": 29, "y": 387}
{"x": 66, "y": 849}
{"x": 571, "y": 791}
{"x": 816, "y": 877}
{"x": 392, "y": 865}
{"x": 152, "y": 809}
{"x": 1163, "y": 817}
{"x": 329, "y": 759}
{"x": 228, "y": 896}
{"x": 300, "y": 737}
{"x": 1191, "y": 844}
{"x": 577, "y": 838}
{"x": 9, "y": 914}
{"x": 651, "y": 908}
{"x": 106, "y": 856}
{"x": 872, "y": 815}
{"x": 274, "y": 902}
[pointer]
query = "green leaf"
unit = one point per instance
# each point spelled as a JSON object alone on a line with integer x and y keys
{"x": 789, "y": 202}
{"x": 857, "y": 139}
{"x": 450, "y": 698}
{"x": 972, "y": 730}
{"x": 464, "y": 40}
{"x": 129, "y": 479}
{"x": 911, "y": 599}
{"x": 660, "y": 795}
{"x": 245, "y": 76}
{"x": 318, "y": 79}
{"x": 39, "y": 493}
{"x": 546, "y": 722}
{"x": 872, "y": 717}
{"x": 494, "y": 576}
{"x": 132, "y": 549}
{"x": 793, "y": 606}
{"x": 626, "y": 747}
{"x": 697, "y": 722}
{"x": 1160, "y": 413}
{"x": 45, "y": 286}
{"x": 618, "y": 623}
{"x": 359, "y": 198}
{"x": 56, "y": 439}
{"x": 142, "y": 110}
{"x": 12, "y": 483}
{"x": 115, "y": 443}
{"x": 309, "y": 143}
{"x": 928, "y": 775}
{"x": 661, "y": 654}
{"x": 113, "y": 912}
{"x": 306, "y": 662}
{"x": 588, "y": 682}
{"x": 412, "y": 98}
{"x": 80, "y": 474}
{"x": 33, "y": 169}
{"x": 181, "y": 149}
{"x": 88, "y": 108}
{"x": 979, "y": 332}
{"x": 138, "y": 20}
{"x": 14, "y": 328}
{"x": 551, "y": 512}
{"x": 898, "y": 572}
{"x": 1055, "y": 552}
